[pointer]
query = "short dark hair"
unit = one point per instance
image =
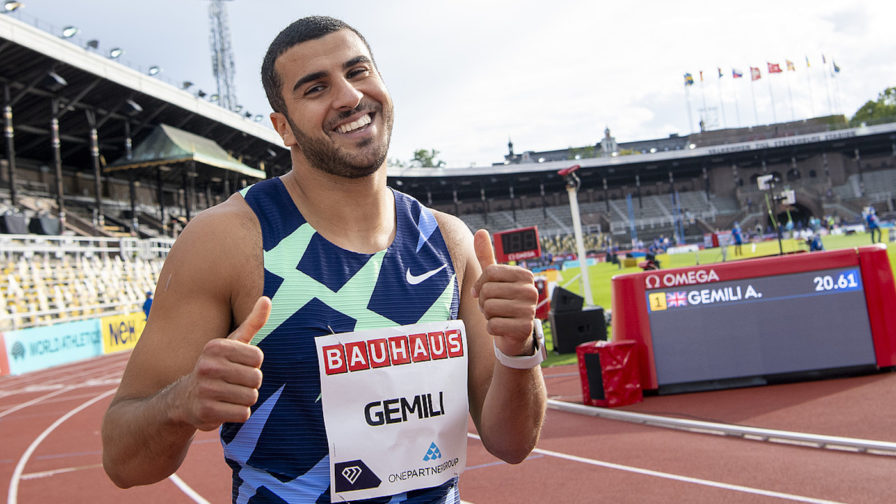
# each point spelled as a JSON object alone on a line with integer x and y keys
{"x": 302, "y": 30}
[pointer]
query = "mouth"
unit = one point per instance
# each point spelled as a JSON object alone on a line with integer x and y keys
{"x": 356, "y": 125}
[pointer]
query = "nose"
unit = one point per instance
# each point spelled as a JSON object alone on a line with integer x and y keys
{"x": 346, "y": 96}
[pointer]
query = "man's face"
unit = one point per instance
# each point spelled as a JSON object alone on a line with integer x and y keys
{"x": 339, "y": 113}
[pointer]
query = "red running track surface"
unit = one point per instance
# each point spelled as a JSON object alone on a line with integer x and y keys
{"x": 51, "y": 448}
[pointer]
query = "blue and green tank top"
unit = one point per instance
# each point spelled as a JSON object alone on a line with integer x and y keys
{"x": 281, "y": 453}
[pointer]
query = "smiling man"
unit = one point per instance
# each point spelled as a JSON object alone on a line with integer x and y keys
{"x": 338, "y": 332}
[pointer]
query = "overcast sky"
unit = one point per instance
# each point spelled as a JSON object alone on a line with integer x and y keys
{"x": 468, "y": 75}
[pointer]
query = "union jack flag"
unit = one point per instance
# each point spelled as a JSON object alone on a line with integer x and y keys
{"x": 676, "y": 299}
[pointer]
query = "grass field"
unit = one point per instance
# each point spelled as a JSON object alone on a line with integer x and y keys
{"x": 602, "y": 273}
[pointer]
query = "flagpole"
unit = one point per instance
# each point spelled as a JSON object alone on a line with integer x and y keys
{"x": 753, "y": 93}
{"x": 721, "y": 105}
{"x": 772, "y": 98}
{"x": 737, "y": 107}
{"x": 790, "y": 97}
{"x": 834, "y": 73}
{"x": 687, "y": 97}
{"x": 703, "y": 97}
{"x": 809, "y": 82}
{"x": 734, "y": 77}
{"x": 827, "y": 85}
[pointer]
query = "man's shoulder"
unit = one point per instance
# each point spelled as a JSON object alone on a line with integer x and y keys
{"x": 228, "y": 225}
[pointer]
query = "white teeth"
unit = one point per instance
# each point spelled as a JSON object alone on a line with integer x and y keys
{"x": 363, "y": 121}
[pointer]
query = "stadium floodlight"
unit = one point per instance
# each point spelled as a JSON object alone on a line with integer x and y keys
{"x": 12, "y": 6}
{"x": 154, "y": 70}
{"x": 92, "y": 44}
{"x": 238, "y": 108}
{"x": 69, "y": 31}
{"x": 186, "y": 85}
{"x": 134, "y": 108}
{"x": 200, "y": 93}
{"x": 247, "y": 115}
{"x": 213, "y": 97}
{"x": 692, "y": 146}
{"x": 258, "y": 117}
{"x": 54, "y": 82}
{"x": 115, "y": 52}
{"x": 765, "y": 182}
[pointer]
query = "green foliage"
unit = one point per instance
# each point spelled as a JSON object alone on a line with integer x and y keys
{"x": 873, "y": 111}
{"x": 580, "y": 152}
{"x": 426, "y": 159}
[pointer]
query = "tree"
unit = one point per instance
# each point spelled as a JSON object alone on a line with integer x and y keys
{"x": 874, "y": 111}
{"x": 426, "y": 159}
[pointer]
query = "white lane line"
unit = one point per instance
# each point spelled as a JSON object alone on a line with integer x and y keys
{"x": 33, "y": 401}
{"x": 676, "y": 477}
{"x": 12, "y": 497}
{"x": 54, "y": 472}
{"x": 187, "y": 490}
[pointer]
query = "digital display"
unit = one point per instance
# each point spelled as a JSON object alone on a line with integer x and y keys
{"x": 760, "y": 326}
{"x": 517, "y": 244}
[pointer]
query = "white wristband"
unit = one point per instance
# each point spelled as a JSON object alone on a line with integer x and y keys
{"x": 525, "y": 361}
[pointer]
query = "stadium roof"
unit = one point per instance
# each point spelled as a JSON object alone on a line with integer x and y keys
{"x": 168, "y": 145}
{"x": 92, "y": 89}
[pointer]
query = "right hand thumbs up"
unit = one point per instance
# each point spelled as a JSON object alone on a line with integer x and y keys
{"x": 224, "y": 383}
{"x": 254, "y": 322}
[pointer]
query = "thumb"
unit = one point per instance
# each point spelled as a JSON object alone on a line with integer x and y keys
{"x": 256, "y": 319}
{"x": 482, "y": 243}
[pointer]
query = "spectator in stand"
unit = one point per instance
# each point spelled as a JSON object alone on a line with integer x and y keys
{"x": 147, "y": 304}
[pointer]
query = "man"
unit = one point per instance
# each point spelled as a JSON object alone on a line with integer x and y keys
{"x": 873, "y": 223}
{"x": 147, "y": 304}
{"x": 738, "y": 237}
{"x": 260, "y": 294}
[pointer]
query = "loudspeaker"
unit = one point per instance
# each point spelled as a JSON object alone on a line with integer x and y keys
{"x": 45, "y": 225}
{"x": 570, "y": 329}
{"x": 13, "y": 224}
{"x": 563, "y": 300}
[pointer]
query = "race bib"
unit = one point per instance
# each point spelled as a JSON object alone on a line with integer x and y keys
{"x": 395, "y": 407}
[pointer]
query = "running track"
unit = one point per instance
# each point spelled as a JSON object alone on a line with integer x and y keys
{"x": 51, "y": 449}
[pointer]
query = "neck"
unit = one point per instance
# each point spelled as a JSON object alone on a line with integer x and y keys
{"x": 355, "y": 214}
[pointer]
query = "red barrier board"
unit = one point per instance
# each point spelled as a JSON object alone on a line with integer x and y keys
{"x": 755, "y": 321}
{"x": 4, "y": 362}
{"x": 609, "y": 373}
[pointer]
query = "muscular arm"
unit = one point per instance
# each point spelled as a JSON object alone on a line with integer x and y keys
{"x": 185, "y": 372}
{"x": 507, "y": 405}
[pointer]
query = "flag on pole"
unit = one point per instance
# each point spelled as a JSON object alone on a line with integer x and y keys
{"x": 774, "y": 68}
{"x": 755, "y": 74}
{"x": 701, "y": 75}
{"x": 836, "y": 68}
{"x": 823, "y": 60}
{"x": 737, "y": 74}
{"x": 807, "y": 63}
{"x": 720, "y": 72}
{"x": 790, "y": 66}
{"x": 688, "y": 79}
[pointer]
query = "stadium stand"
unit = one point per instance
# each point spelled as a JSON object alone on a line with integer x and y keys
{"x": 80, "y": 237}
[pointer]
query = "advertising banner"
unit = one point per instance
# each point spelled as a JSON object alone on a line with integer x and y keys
{"x": 121, "y": 332}
{"x": 42, "y": 347}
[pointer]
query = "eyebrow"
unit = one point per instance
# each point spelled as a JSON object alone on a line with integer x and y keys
{"x": 319, "y": 75}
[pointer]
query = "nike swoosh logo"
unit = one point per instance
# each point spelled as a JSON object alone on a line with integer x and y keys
{"x": 415, "y": 279}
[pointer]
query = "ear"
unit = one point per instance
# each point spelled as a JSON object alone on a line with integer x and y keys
{"x": 281, "y": 125}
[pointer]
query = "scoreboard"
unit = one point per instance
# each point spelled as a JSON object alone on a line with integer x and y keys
{"x": 516, "y": 244}
{"x": 761, "y": 320}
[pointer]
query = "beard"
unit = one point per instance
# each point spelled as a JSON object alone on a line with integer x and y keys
{"x": 327, "y": 157}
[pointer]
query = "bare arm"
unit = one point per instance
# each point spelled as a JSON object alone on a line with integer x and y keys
{"x": 497, "y": 305}
{"x": 184, "y": 374}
